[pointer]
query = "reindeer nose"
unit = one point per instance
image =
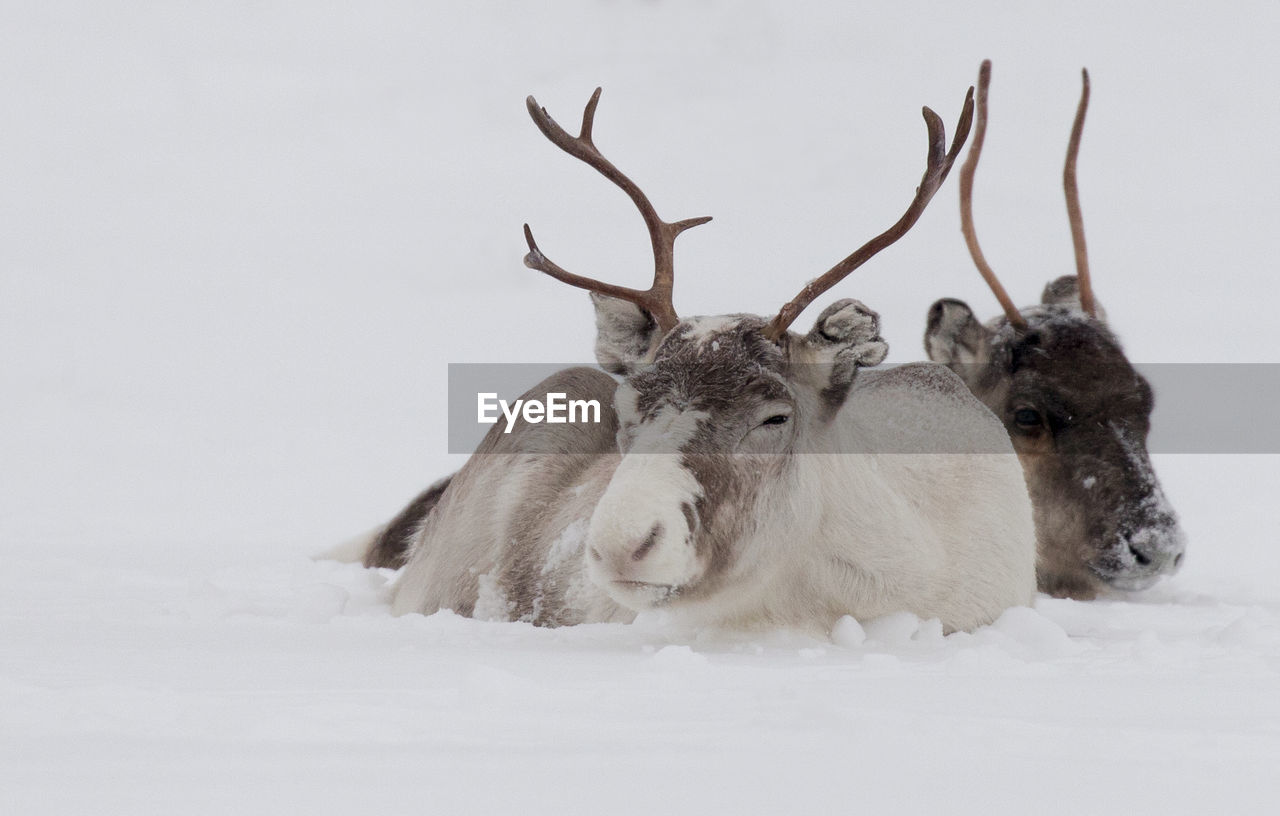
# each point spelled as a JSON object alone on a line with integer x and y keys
{"x": 646, "y": 545}
{"x": 1159, "y": 553}
{"x": 1139, "y": 554}
{"x": 640, "y": 550}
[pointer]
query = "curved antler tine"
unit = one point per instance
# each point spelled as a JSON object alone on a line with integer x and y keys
{"x": 962, "y": 129}
{"x": 1073, "y": 203}
{"x": 937, "y": 136}
{"x": 662, "y": 235}
{"x": 536, "y": 260}
{"x": 966, "y": 203}
{"x": 589, "y": 117}
{"x": 688, "y": 223}
{"x": 938, "y": 166}
{"x": 558, "y": 135}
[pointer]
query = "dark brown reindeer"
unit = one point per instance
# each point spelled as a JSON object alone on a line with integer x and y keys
{"x": 1077, "y": 411}
{"x": 742, "y": 475}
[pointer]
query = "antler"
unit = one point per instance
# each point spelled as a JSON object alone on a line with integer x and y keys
{"x": 656, "y": 300}
{"x": 1073, "y": 203}
{"x": 966, "y": 204}
{"x": 939, "y": 165}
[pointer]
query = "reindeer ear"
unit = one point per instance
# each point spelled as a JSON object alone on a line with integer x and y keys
{"x": 625, "y": 334}
{"x": 845, "y": 337}
{"x": 1065, "y": 291}
{"x": 848, "y": 330}
{"x": 953, "y": 336}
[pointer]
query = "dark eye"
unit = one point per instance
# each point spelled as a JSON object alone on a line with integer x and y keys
{"x": 1027, "y": 418}
{"x": 776, "y": 419}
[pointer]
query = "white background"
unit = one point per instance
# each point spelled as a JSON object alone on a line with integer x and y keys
{"x": 240, "y": 243}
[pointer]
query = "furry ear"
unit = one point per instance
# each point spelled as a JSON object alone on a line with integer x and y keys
{"x": 625, "y": 334}
{"x": 845, "y": 337}
{"x": 953, "y": 336}
{"x": 1065, "y": 291}
{"x": 849, "y": 331}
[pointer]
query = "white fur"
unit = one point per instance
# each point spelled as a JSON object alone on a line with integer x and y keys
{"x": 704, "y": 328}
{"x": 942, "y": 535}
{"x": 646, "y": 493}
{"x": 352, "y": 550}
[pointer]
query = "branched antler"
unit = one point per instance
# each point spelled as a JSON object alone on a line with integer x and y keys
{"x": 966, "y": 204}
{"x": 656, "y": 300}
{"x": 939, "y": 165}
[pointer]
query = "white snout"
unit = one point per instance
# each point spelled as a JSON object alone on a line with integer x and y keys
{"x": 639, "y": 542}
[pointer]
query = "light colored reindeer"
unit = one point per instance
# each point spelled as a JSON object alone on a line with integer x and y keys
{"x": 742, "y": 475}
{"x": 1077, "y": 411}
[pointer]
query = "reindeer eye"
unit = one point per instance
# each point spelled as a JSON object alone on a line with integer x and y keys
{"x": 1027, "y": 418}
{"x": 776, "y": 419}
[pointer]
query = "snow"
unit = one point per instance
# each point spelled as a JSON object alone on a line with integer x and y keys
{"x": 126, "y": 689}
{"x": 242, "y": 244}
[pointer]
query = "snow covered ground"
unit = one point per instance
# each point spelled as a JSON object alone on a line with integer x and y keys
{"x": 240, "y": 246}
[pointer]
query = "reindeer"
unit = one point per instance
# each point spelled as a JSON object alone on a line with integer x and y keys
{"x": 743, "y": 475}
{"x": 1076, "y": 410}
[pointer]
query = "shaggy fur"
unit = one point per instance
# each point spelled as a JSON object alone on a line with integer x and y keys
{"x": 1101, "y": 517}
{"x": 736, "y": 482}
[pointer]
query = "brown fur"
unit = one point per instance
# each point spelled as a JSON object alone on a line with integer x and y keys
{"x": 391, "y": 547}
{"x": 1101, "y": 518}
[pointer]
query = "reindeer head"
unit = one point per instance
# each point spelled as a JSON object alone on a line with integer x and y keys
{"x": 1076, "y": 410}
{"x": 711, "y": 409}
{"x": 708, "y": 425}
